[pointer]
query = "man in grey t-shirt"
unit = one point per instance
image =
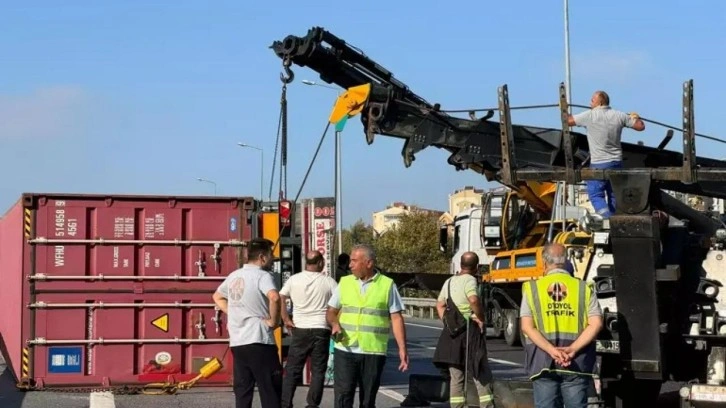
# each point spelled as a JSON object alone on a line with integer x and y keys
{"x": 604, "y": 129}
{"x": 251, "y": 301}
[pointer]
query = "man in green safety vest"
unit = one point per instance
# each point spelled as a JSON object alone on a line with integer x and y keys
{"x": 560, "y": 318}
{"x": 365, "y": 306}
{"x": 464, "y": 353}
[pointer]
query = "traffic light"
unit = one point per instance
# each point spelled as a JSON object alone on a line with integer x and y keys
{"x": 290, "y": 251}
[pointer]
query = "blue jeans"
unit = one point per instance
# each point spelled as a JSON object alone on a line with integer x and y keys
{"x": 598, "y": 190}
{"x": 551, "y": 390}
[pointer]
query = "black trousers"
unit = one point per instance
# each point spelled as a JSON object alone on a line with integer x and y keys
{"x": 314, "y": 343}
{"x": 353, "y": 369}
{"x": 257, "y": 364}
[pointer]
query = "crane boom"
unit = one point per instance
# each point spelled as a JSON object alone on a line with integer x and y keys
{"x": 393, "y": 109}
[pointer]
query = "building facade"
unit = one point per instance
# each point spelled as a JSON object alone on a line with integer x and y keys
{"x": 386, "y": 219}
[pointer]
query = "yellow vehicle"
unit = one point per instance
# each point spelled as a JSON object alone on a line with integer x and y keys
{"x": 508, "y": 233}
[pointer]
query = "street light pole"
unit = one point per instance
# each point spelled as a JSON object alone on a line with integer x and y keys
{"x": 338, "y": 176}
{"x": 568, "y": 83}
{"x": 210, "y": 182}
{"x": 262, "y": 166}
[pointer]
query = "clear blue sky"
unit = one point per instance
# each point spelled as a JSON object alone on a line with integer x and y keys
{"x": 145, "y": 96}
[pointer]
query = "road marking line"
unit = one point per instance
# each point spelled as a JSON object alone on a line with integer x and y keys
{"x": 505, "y": 362}
{"x": 421, "y": 325}
{"x": 494, "y": 360}
{"x": 102, "y": 400}
{"x": 391, "y": 394}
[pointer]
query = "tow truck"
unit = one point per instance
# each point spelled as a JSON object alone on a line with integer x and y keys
{"x": 660, "y": 264}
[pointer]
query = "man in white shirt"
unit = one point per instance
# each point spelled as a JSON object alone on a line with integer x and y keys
{"x": 309, "y": 292}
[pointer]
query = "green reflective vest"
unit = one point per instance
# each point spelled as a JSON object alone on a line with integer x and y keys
{"x": 559, "y": 309}
{"x": 365, "y": 318}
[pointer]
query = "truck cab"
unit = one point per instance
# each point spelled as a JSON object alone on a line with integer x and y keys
{"x": 476, "y": 229}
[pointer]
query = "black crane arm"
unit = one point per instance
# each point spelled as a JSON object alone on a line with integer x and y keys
{"x": 394, "y": 110}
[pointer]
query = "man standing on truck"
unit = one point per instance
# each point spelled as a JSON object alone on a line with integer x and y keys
{"x": 604, "y": 129}
{"x": 560, "y": 317}
{"x": 310, "y": 292}
{"x": 364, "y": 308}
{"x": 251, "y": 301}
{"x": 460, "y": 300}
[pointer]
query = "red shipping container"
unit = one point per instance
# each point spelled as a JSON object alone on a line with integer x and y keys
{"x": 113, "y": 290}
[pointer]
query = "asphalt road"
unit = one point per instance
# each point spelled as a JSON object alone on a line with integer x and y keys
{"x": 422, "y": 337}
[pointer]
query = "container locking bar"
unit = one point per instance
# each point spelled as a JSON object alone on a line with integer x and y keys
{"x": 103, "y": 305}
{"x": 41, "y": 341}
{"x": 103, "y": 241}
{"x": 101, "y": 277}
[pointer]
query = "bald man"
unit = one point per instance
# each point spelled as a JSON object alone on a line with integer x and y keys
{"x": 561, "y": 317}
{"x": 604, "y": 129}
{"x": 309, "y": 292}
{"x": 469, "y": 371}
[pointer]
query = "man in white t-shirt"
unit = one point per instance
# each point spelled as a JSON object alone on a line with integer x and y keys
{"x": 250, "y": 299}
{"x": 309, "y": 292}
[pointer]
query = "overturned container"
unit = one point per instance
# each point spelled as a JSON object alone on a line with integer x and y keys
{"x": 104, "y": 291}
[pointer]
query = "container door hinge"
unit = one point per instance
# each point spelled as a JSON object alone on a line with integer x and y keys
{"x": 216, "y": 256}
{"x": 200, "y": 326}
{"x": 201, "y": 263}
{"x": 217, "y": 319}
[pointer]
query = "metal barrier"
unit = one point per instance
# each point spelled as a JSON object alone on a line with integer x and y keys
{"x": 424, "y": 308}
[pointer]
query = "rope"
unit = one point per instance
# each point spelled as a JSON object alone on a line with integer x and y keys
{"x": 277, "y": 143}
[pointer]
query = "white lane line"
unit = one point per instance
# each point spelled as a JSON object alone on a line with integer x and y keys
{"x": 102, "y": 400}
{"x": 421, "y": 325}
{"x": 505, "y": 362}
{"x": 494, "y": 360}
{"x": 391, "y": 394}
{"x": 397, "y": 396}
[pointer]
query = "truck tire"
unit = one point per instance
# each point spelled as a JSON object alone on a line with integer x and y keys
{"x": 497, "y": 320}
{"x": 512, "y": 330}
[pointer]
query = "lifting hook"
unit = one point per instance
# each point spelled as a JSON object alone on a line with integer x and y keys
{"x": 288, "y": 76}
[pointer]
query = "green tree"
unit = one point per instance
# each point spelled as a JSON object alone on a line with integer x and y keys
{"x": 358, "y": 233}
{"x": 412, "y": 245}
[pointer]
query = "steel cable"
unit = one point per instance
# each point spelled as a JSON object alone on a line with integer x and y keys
{"x": 665, "y": 125}
{"x": 304, "y": 180}
{"x": 552, "y": 105}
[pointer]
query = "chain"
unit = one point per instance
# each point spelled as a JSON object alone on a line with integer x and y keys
{"x": 117, "y": 390}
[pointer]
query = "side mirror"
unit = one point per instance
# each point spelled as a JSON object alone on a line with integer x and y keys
{"x": 443, "y": 238}
{"x": 483, "y": 269}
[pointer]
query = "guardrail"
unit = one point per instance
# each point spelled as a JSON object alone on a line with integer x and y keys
{"x": 424, "y": 308}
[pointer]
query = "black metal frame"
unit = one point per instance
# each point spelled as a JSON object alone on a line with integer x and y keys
{"x": 688, "y": 173}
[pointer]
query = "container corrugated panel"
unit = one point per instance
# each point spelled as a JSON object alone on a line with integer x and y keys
{"x": 117, "y": 290}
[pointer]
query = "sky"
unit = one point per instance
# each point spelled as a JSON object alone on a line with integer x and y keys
{"x": 144, "y": 97}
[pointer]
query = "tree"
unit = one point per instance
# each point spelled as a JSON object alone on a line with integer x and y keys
{"x": 412, "y": 245}
{"x": 359, "y": 233}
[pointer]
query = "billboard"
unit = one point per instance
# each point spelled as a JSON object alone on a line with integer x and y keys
{"x": 322, "y": 228}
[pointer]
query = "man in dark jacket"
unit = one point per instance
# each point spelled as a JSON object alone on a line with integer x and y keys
{"x": 465, "y": 358}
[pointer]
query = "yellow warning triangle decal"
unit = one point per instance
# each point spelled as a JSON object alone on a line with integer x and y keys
{"x": 162, "y": 322}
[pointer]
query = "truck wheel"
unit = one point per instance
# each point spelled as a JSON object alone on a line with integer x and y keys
{"x": 498, "y": 323}
{"x": 512, "y": 332}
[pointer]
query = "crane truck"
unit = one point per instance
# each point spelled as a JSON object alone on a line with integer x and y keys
{"x": 659, "y": 264}
{"x": 508, "y": 232}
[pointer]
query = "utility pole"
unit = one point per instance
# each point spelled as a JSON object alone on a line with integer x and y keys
{"x": 568, "y": 83}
